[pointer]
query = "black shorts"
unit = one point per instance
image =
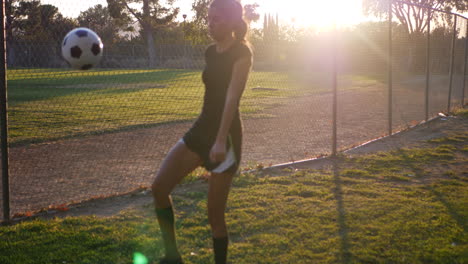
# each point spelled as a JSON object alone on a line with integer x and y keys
{"x": 200, "y": 141}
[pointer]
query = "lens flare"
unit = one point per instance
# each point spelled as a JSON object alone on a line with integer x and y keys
{"x": 139, "y": 258}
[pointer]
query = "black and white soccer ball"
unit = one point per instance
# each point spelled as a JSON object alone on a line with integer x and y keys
{"x": 82, "y": 48}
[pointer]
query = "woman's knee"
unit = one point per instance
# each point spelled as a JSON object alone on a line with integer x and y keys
{"x": 161, "y": 184}
{"x": 159, "y": 193}
{"x": 155, "y": 188}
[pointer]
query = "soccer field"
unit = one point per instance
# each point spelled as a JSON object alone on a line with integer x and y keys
{"x": 46, "y": 104}
{"x": 352, "y": 144}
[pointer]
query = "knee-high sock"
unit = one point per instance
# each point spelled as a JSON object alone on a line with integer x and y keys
{"x": 220, "y": 246}
{"x": 166, "y": 223}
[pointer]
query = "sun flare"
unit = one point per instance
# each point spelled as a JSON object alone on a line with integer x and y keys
{"x": 320, "y": 14}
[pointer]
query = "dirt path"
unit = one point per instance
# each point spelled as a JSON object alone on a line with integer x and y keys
{"x": 416, "y": 137}
{"x": 74, "y": 170}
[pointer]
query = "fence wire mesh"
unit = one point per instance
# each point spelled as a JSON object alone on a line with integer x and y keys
{"x": 78, "y": 135}
{"x": 437, "y": 48}
{"x": 362, "y": 83}
{"x": 459, "y": 62}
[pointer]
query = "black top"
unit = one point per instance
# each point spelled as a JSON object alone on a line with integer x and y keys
{"x": 217, "y": 77}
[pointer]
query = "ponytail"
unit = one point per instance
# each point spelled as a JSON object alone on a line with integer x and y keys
{"x": 240, "y": 31}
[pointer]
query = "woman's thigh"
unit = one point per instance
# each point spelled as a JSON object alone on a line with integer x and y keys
{"x": 179, "y": 162}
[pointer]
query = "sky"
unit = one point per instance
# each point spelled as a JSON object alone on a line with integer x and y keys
{"x": 303, "y": 13}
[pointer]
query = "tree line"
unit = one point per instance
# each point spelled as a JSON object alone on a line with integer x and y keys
{"x": 120, "y": 22}
{"x": 149, "y": 23}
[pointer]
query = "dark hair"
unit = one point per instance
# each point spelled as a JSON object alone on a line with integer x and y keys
{"x": 240, "y": 31}
{"x": 235, "y": 12}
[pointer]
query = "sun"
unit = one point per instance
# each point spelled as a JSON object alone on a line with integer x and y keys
{"x": 321, "y": 14}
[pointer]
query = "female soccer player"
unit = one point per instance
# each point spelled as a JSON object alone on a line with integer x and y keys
{"x": 215, "y": 139}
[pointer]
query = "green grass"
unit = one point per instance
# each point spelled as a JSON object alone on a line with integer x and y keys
{"x": 404, "y": 206}
{"x": 52, "y": 104}
{"x": 462, "y": 112}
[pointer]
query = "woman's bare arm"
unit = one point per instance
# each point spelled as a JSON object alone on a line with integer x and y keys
{"x": 236, "y": 88}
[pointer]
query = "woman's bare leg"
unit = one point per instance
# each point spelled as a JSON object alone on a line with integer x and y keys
{"x": 219, "y": 186}
{"x": 178, "y": 163}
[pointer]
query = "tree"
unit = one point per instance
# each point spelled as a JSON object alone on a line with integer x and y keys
{"x": 98, "y": 19}
{"x": 10, "y": 23}
{"x": 271, "y": 28}
{"x": 54, "y": 25}
{"x": 250, "y": 12}
{"x": 31, "y": 21}
{"x": 151, "y": 16}
{"x": 35, "y": 30}
{"x": 197, "y": 29}
{"x": 414, "y": 18}
{"x": 251, "y": 15}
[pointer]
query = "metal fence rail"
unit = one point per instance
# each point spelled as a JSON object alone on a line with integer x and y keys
{"x": 78, "y": 135}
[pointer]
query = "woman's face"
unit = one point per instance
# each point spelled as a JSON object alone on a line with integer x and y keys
{"x": 218, "y": 24}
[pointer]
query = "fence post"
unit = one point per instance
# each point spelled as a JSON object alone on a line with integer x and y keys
{"x": 390, "y": 68}
{"x": 428, "y": 63}
{"x": 465, "y": 65}
{"x": 452, "y": 64}
{"x": 4, "y": 120}
{"x": 335, "y": 91}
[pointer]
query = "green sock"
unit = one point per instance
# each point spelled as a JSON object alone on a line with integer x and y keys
{"x": 220, "y": 246}
{"x": 166, "y": 223}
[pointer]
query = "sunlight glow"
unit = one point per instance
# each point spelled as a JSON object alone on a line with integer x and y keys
{"x": 320, "y": 14}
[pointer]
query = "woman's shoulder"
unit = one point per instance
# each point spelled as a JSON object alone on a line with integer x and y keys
{"x": 210, "y": 49}
{"x": 243, "y": 49}
{"x": 239, "y": 49}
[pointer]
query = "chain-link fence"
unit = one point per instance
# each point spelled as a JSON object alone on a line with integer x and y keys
{"x": 78, "y": 135}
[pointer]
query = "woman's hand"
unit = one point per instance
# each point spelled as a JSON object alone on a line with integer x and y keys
{"x": 218, "y": 152}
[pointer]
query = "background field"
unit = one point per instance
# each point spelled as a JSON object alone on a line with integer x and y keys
{"x": 54, "y": 104}
{"x": 48, "y": 104}
{"x": 75, "y": 136}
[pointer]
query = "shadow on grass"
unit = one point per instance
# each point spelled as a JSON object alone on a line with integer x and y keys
{"x": 25, "y": 142}
{"x": 27, "y": 90}
{"x": 345, "y": 255}
{"x": 461, "y": 221}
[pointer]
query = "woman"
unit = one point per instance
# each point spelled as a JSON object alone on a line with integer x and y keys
{"x": 215, "y": 139}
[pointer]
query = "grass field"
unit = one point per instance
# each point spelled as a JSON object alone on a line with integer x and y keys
{"x": 404, "y": 206}
{"x": 48, "y": 104}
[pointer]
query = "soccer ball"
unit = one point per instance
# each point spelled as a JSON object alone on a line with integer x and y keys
{"x": 82, "y": 48}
